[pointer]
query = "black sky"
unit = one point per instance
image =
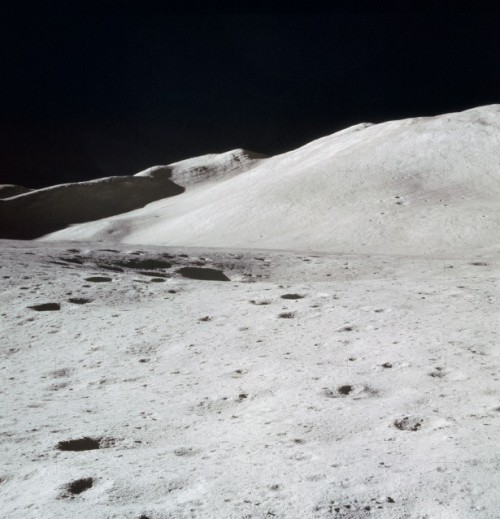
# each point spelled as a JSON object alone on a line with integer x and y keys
{"x": 92, "y": 90}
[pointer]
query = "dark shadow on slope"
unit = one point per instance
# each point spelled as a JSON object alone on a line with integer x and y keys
{"x": 10, "y": 190}
{"x": 147, "y": 264}
{"x": 37, "y": 213}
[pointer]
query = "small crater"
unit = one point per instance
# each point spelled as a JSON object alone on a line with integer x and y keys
{"x": 79, "y": 300}
{"x": 46, "y": 307}
{"x": 356, "y": 392}
{"x": 204, "y": 274}
{"x": 184, "y": 451}
{"x": 60, "y": 373}
{"x": 292, "y": 296}
{"x": 408, "y": 423}
{"x": 344, "y": 390}
{"x": 286, "y": 315}
{"x": 387, "y": 365}
{"x": 479, "y": 263}
{"x": 80, "y": 444}
{"x": 99, "y": 279}
{"x": 205, "y": 319}
{"x": 79, "y": 485}
{"x": 438, "y": 373}
{"x": 57, "y": 387}
{"x": 341, "y": 391}
{"x": 346, "y": 328}
{"x": 260, "y": 303}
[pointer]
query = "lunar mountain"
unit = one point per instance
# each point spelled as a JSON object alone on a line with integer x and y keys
{"x": 430, "y": 183}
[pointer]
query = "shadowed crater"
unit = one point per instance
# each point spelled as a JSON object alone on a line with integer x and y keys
{"x": 408, "y": 423}
{"x": 205, "y": 274}
{"x": 79, "y": 485}
{"x": 79, "y": 300}
{"x": 341, "y": 391}
{"x": 344, "y": 390}
{"x": 86, "y": 443}
{"x": 356, "y": 392}
{"x": 292, "y": 296}
{"x": 80, "y": 444}
{"x": 46, "y": 307}
{"x": 346, "y": 328}
{"x": 144, "y": 264}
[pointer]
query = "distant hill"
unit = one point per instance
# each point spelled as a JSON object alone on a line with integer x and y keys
{"x": 420, "y": 185}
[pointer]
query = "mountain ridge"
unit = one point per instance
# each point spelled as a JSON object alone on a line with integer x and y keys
{"x": 425, "y": 183}
{"x": 428, "y": 183}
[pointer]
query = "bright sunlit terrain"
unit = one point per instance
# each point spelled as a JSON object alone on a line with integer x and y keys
{"x": 310, "y": 335}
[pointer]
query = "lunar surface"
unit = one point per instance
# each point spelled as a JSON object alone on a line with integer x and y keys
{"x": 311, "y": 335}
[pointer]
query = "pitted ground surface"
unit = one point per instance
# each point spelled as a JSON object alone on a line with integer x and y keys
{"x": 377, "y": 398}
